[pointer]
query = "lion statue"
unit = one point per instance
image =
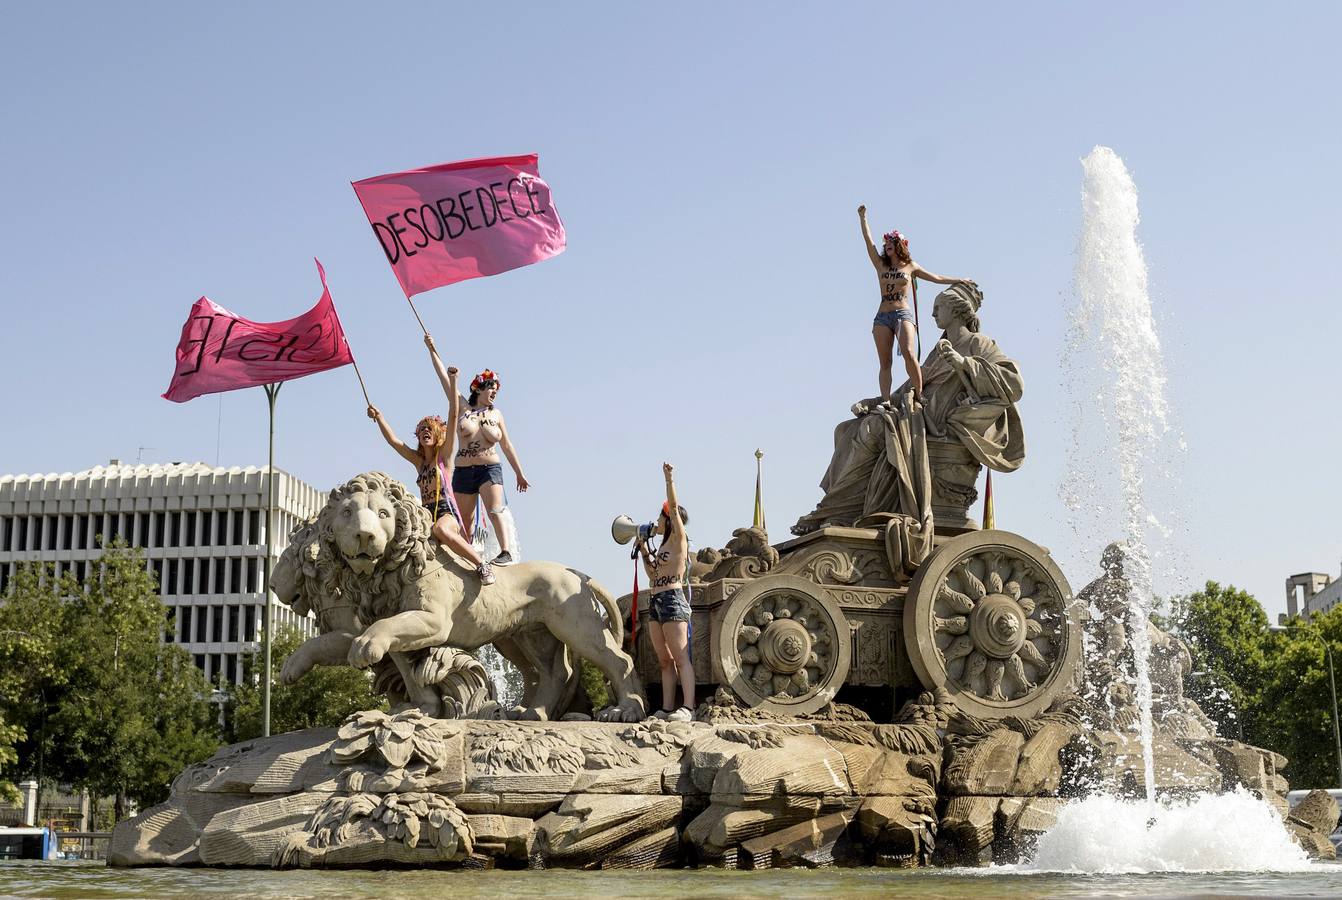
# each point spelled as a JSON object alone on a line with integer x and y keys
{"x": 383, "y": 589}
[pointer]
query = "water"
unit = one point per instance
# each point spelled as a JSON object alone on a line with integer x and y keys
{"x": 1209, "y": 833}
{"x": 92, "y": 880}
{"x": 1115, "y": 374}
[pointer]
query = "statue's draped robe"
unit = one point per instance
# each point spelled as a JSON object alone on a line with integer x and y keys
{"x": 879, "y": 472}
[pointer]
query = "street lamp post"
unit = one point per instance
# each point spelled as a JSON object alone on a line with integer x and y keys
{"x": 1332, "y": 686}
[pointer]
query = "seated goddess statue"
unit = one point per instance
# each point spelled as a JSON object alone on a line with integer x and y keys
{"x": 905, "y": 462}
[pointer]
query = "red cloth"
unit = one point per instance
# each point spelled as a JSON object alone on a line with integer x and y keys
{"x": 221, "y": 351}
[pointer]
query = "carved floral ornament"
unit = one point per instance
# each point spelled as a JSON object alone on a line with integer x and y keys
{"x": 997, "y": 626}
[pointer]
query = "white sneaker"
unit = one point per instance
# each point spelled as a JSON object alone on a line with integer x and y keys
{"x": 681, "y": 715}
{"x": 486, "y": 573}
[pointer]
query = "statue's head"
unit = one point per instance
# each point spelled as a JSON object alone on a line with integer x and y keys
{"x": 370, "y": 521}
{"x": 1111, "y": 561}
{"x": 958, "y": 303}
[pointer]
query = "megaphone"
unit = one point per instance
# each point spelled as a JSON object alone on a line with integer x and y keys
{"x": 623, "y": 529}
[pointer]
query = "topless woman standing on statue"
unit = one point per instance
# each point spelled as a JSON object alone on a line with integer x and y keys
{"x": 432, "y": 459}
{"x": 897, "y": 275}
{"x": 481, "y": 429}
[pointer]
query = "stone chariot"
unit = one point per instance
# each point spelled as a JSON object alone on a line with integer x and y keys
{"x": 987, "y": 616}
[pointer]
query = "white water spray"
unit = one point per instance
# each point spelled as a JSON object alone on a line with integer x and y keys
{"x": 1233, "y": 832}
{"x": 1116, "y": 375}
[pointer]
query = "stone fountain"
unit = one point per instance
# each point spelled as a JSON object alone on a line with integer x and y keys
{"x": 894, "y": 686}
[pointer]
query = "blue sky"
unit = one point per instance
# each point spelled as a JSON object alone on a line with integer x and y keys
{"x": 707, "y": 160}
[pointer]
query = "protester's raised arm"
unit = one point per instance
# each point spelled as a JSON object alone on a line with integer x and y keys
{"x": 396, "y": 443}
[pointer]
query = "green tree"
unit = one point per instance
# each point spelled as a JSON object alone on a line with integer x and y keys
{"x": 1226, "y": 631}
{"x": 34, "y": 664}
{"x": 323, "y": 698}
{"x": 105, "y": 704}
{"x": 1297, "y": 705}
{"x": 9, "y": 736}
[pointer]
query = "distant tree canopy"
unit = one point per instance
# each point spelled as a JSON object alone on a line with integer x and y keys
{"x": 322, "y": 698}
{"x": 90, "y": 694}
{"x": 1264, "y": 688}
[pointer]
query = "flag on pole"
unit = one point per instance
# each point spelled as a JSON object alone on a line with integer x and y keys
{"x": 221, "y": 351}
{"x": 447, "y": 223}
{"x": 989, "y": 514}
{"x": 759, "y": 497}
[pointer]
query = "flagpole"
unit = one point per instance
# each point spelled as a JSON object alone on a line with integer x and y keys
{"x": 416, "y": 312}
{"x": 759, "y": 499}
{"x": 272, "y": 390}
{"x": 363, "y": 386}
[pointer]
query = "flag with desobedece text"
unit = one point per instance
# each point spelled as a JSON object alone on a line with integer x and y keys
{"x": 447, "y": 223}
{"x": 221, "y": 351}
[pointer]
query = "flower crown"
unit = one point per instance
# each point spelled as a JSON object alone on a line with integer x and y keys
{"x": 894, "y": 235}
{"x": 484, "y": 378}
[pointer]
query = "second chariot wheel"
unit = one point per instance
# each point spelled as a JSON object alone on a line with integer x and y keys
{"x": 990, "y": 617}
{"x": 784, "y": 645}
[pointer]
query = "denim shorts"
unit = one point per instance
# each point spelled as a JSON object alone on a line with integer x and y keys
{"x": 445, "y": 507}
{"x": 468, "y": 479}
{"x": 891, "y": 318}
{"x": 669, "y": 606}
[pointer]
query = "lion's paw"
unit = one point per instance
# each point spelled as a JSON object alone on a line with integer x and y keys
{"x": 292, "y": 670}
{"x": 364, "y": 651}
{"x": 631, "y": 710}
{"x": 527, "y": 714}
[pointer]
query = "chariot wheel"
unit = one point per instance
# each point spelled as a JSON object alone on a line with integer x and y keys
{"x": 784, "y": 645}
{"x": 990, "y": 617}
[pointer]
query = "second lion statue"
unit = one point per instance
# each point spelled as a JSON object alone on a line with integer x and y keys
{"x": 384, "y": 590}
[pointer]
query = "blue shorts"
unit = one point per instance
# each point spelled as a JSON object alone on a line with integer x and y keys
{"x": 669, "y": 606}
{"x": 468, "y": 479}
{"x": 891, "y": 318}
{"x": 445, "y": 507}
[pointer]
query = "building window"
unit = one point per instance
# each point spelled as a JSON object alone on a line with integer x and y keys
{"x": 235, "y": 584}
{"x": 200, "y": 661}
{"x": 188, "y": 576}
{"x": 253, "y": 583}
{"x": 216, "y": 667}
{"x": 233, "y": 611}
{"x": 37, "y": 533}
{"x": 156, "y": 566}
{"x": 4, "y": 577}
{"x": 142, "y": 533}
{"x": 169, "y": 626}
{"x": 236, "y": 517}
{"x": 188, "y": 529}
{"x": 81, "y": 532}
{"x": 253, "y": 527}
{"x": 219, "y": 587}
{"x": 4, "y": 533}
{"x": 113, "y": 528}
{"x": 249, "y": 623}
{"x": 221, "y": 528}
{"x": 184, "y": 614}
{"x": 171, "y": 586}
{"x": 217, "y": 624}
{"x": 202, "y": 624}
{"x": 174, "y": 529}
{"x": 159, "y": 520}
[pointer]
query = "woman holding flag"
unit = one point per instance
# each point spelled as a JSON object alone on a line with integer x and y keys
{"x": 432, "y": 458}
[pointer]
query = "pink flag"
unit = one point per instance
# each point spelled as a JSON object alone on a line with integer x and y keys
{"x": 462, "y": 220}
{"x": 221, "y": 351}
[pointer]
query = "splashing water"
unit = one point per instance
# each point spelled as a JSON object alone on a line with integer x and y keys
{"x": 1116, "y": 376}
{"x": 507, "y": 680}
{"x": 1234, "y": 832}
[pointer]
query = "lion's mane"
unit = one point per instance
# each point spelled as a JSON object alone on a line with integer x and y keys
{"x": 375, "y": 595}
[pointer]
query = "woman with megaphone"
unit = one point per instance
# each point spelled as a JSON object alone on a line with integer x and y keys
{"x": 432, "y": 459}
{"x": 668, "y": 608}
